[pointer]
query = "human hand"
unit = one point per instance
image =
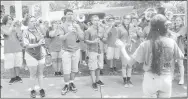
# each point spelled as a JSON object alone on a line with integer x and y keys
{"x": 97, "y": 40}
{"x": 119, "y": 43}
{"x": 41, "y": 42}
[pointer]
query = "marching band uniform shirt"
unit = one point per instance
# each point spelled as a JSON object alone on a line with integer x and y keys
{"x": 91, "y": 34}
{"x": 111, "y": 37}
{"x": 11, "y": 42}
{"x": 69, "y": 44}
{"x": 29, "y": 37}
{"x": 55, "y": 43}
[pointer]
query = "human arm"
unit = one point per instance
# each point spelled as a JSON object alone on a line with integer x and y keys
{"x": 79, "y": 32}
{"x": 26, "y": 42}
{"x": 62, "y": 34}
{"x": 138, "y": 55}
{"x": 87, "y": 40}
{"x": 6, "y": 32}
{"x": 177, "y": 52}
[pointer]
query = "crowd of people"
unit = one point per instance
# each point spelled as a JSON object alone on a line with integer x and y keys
{"x": 155, "y": 40}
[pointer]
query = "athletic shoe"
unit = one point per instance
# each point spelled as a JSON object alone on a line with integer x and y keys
{"x": 42, "y": 93}
{"x": 59, "y": 73}
{"x": 12, "y": 80}
{"x": 181, "y": 82}
{"x": 72, "y": 87}
{"x": 84, "y": 63}
{"x": 95, "y": 87}
{"x": 19, "y": 79}
{"x": 129, "y": 83}
{"x": 33, "y": 94}
{"x": 126, "y": 84}
{"x": 100, "y": 83}
{"x": 115, "y": 69}
{"x": 56, "y": 73}
{"x": 65, "y": 89}
{"x": 101, "y": 72}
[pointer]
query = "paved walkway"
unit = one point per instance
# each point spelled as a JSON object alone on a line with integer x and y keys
{"x": 113, "y": 88}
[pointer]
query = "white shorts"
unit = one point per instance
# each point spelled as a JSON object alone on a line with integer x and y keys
{"x": 113, "y": 53}
{"x": 56, "y": 55}
{"x": 13, "y": 60}
{"x": 70, "y": 61}
{"x": 95, "y": 60}
{"x": 30, "y": 61}
{"x": 154, "y": 85}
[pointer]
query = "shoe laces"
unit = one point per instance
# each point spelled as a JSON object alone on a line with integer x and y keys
{"x": 72, "y": 84}
{"x": 65, "y": 87}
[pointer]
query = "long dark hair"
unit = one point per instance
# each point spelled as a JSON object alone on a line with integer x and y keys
{"x": 158, "y": 29}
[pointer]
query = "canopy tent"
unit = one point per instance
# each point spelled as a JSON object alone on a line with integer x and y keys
{"x": 117, "y": 11}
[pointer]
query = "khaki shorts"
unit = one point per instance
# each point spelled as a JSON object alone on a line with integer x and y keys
{"x": 12, "y": 60}
{"x": 70, "y": 61}
{"x": 113, "y": 53}
{"x": 56, "y": 55}
{"x": 95, "y": 61}
{"x": 154, "y": 85}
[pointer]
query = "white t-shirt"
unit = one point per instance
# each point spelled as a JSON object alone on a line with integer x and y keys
{"x": 171, "y": 51}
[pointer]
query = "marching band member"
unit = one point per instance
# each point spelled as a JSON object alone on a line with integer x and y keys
{"x": 157, "y": 53}
{"x": 71, "y": 35}
{"x": 33, "y": 42}
{"x": 126, "y": 69}
{"x": 113, "y": 53}
{"x": 181, "y": 43}
{"x": 12, "y": 48}
{"x": 134, "y": 36}
{"x": 94, "y": 38}
{"x": 55, "y": 45}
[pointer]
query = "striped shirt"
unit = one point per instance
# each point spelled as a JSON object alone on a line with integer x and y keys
{"x": 33, "y": 37}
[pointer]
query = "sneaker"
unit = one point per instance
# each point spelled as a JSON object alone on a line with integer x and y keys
{"x": 100, "y": 83}
{"x": 19, "y": 79}
{"x": 129, "y": 83}
{"x": 95, "y": 87}
{"x": 12, "y": 80}
{"x": 115, "y": 69}
{"x": 84, "y": 63}
{"x": 33, "y": 94}
{"x": 65, "y": 90}
{"x": 59, "y": 73}
{"x": 105, "y": 61}
{"x": 56, "y": 73}
{"x": 111, "y": 69}
{"x": 181, "y": 82}
{"x": 72, "y": 87}
{"x": 126, "y": 84}
{"x": 101, "y": 72}
{"x": 42, "y": 93}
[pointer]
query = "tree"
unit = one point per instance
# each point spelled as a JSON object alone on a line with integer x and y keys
{"x": 25, "y": 9}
